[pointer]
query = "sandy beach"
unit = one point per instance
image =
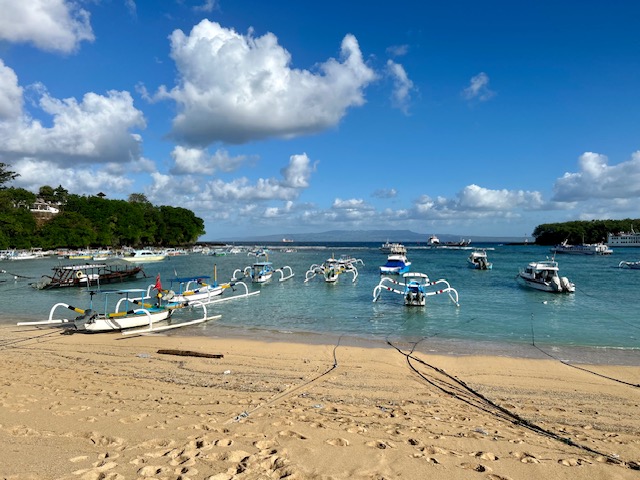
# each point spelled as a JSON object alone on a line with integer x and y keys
{"x": 92, "y": 407}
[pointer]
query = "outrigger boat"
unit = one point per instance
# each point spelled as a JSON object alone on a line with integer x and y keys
{"x": 262, "y": 272}
{"x": 87, "y": 275}
{"x": 332, "y": 268}
{"x": 631, "y": 265}
{"x": 544, "y": 276}
{"x": 415, "y": 288}
{"x": 478, "y": 260}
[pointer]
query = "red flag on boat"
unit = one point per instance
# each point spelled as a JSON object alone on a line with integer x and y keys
{"x": 158, "y": 285}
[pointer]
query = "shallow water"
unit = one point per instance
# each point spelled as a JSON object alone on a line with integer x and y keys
{"x": 496, "y": 314}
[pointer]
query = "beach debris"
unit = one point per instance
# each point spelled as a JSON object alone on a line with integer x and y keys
{"x": 189, "y": 353}
{"x": 239, "y": 417}
{"x": 143, "y": 355}
{"x": 227, "y": 372}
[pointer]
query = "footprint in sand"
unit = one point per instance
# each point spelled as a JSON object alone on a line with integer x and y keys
{"x": 476, "y": 467}
{"x": 338, "y": 442}
{"x": 525, "y": 457}
{"x": 573, "y": 462}
{"x": 223, "y": 442}
{"x": 381, "y": 444}
{"x": 154, "y": 471}
{"x": 103, "y": 441}
{"x": 292, "y": 434}
{"x": 134, "y": 418}
{"x": 485, "y": 456}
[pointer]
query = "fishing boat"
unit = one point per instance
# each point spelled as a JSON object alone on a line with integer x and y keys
{"x": 582, "y": 249}
{"x": 192, "y": 289}
{"x": 415, "y": 288}
{"x": 631, "y": 265}
{"x": 87, "y": 275}
{"x": 129, "y": 312}
{"x": 332, "y": 268}
{"x": 397, "y": 263}
{"x": 624, "y": 239}
{"x": 478, "y": 260}
{"x": 143, "y": 256}
{"x": 543, "y": 275}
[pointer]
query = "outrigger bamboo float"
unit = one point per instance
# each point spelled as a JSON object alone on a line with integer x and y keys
{"x": 415, "y": 288}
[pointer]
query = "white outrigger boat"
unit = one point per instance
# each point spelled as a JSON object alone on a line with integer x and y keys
{"x": 332, "y": 268}
{"x": 130, "y": 312}
{"x": 631, "y": 265}
{"x": 262, "y": 272}
{"x": 415, "y": 288}
{"x": 478, "y": 260}
{"x": 543, "y": 275}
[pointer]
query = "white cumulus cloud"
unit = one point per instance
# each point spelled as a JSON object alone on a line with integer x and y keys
{"x": 597, "y": 179}
{"x": 236, "y": 88}
{"x": 51, "y": 25}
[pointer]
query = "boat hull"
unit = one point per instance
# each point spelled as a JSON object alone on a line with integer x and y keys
{"x": 103, "y": 323}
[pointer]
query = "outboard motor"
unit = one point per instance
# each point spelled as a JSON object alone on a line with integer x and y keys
{"x": 89, "y": 316}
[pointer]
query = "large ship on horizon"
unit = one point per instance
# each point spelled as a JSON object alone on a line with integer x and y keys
{"x": 624, "y": 239}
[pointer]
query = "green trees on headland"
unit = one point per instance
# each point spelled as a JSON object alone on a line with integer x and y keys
{"x": 579, "y": 231}
{"x": 91, "y": 221}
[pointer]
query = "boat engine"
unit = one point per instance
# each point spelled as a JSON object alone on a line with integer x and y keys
{"x": 88, "y": 317}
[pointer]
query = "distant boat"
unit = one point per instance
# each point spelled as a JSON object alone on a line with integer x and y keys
{"x": 395, "y": 247}
{"x": 142, "y": 256}
{"x": 582, "y": 249}
{"x": 478, "y": 260}
{"x": 287, "y": 240}
{"x": 631, "y": 265}
{"x": 87, "y": 275}
{"x": 396, "y": 264}
{"x": 624, "y": 239}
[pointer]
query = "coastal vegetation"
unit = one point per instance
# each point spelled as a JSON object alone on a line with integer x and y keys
{"x": 89, "y": 221}
{"x": 581, "y": 231}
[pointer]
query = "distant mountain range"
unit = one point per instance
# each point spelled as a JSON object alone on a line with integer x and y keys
{"x": 406, "y": 236}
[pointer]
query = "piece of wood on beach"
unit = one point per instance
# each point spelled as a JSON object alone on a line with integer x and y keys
{"x": 189, "y": 353}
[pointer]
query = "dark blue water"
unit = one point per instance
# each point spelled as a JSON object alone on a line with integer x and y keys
{"x": 496, "y": 314}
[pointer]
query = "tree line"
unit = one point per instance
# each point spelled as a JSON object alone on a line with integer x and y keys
{"x": 581, "y": 231}
{"x": 89, "y": 221}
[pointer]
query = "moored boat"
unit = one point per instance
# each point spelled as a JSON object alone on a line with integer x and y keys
{"x": 415, "y": 288}
{"x": 478, "y": 260}
{"x": 143, "y": 256}
{"x": 582, "y": 249}
{"x": 396, "y": 264}
{"x": 544, "y": 276}
{"x": 631, "y": 265}
{"x": 87, "y": 275}
{"x": 624, "y": 239}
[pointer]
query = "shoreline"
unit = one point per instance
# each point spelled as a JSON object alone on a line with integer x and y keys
{"x": 106, "y": 406}
{"x": 437, "y": 345}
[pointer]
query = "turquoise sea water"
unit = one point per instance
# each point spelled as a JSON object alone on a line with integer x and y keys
{"x": 599, "y": 323}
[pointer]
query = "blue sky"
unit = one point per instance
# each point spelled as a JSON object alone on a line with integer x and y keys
{"x": 469, "y": 118}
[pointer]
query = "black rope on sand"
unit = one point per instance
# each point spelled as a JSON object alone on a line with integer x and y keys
{"x": 509, "y": 415}
{"x": 533, "y": 344}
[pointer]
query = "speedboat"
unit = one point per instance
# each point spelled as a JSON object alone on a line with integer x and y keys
{"x": 544, "y": 276}
{"x": 141, "y": 256}
{"x": 478, "y": 260}
{"x": 396, "y": 264}
{"x": 415, "y": 288}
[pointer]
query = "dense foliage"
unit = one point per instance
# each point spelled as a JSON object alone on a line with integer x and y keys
{"x": 92, "y": 221}
{"x": 592, "y": 231}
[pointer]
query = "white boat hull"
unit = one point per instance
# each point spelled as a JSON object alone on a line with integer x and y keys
{"x": 106, "y": 324}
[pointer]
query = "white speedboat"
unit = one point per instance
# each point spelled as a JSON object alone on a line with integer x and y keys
{"x": 415, "y": 288}
{"x": 396, "y": 264}
{"x": 478, "y": 260}
{"x": 544, "y": 276}
{"x": 143, "y": 256}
